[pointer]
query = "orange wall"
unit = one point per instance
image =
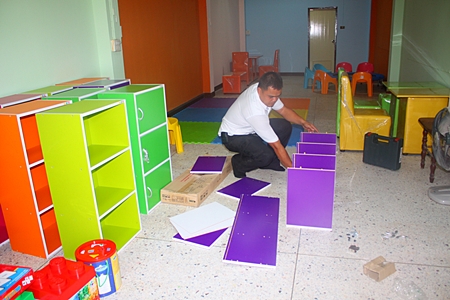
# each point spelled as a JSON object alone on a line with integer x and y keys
{"x": 162, "y": 43}
{"x": 380, "y": 35}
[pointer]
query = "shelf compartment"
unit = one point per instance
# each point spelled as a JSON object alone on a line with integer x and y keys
{"x": 51, "y": 232}
{"x": 154, "y": 148}
{"x": 31, "y": 138}
{"x": 41, "y": 188}
{"x": 101, "y": 154}
{"x": 108, "y": 127}
{"x": 122, "y": 224}
{"x": 113, "y": 182}
{"x": 155, "y": 181}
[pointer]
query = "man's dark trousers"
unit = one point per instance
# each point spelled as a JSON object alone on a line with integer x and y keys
{"x": 253, "y": 152}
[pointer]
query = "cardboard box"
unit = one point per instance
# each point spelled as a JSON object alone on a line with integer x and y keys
{"x": 14, "y": 280}
{"x": 378, "y": 268}
{"x": 192, "y": 189}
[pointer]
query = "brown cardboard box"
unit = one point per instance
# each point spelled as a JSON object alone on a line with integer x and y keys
{"x": 378, "y": 268}
{"x": 192, "y": 189}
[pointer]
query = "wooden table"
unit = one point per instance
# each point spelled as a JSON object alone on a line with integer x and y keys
{"x": 410, "y": 104}
{"x": 412, "y": 84}
{"x": 427, "y": 125}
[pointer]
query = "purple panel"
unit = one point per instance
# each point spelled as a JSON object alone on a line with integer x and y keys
{"x": 318, "y": 137}
{"x": 205, "y": 240}
{"x": 310, "y": 196}
{"x": 254, "y": 235}
{"x": 316, "y": 148}
{"x": 243, "y": 186}
{"x": 17, "y": 99}
{"x": 208, "y": 164}
{"x": 105, "y": 83}
{"x": 314, "y": 161}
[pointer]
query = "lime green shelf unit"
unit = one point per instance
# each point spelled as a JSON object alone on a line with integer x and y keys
{"x": 90, "y": 172}
{"x": 147, "y": 122}
{"x": 76, "y": 95}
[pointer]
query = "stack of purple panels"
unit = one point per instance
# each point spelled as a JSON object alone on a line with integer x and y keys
{"x": 311, "y": 182}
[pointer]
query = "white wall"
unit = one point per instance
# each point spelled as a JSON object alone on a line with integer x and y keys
{"x": 223, "y": 35}
{"x": 51, "y": 41}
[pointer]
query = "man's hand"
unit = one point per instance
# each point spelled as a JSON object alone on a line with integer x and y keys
{"x": 282, "y": 154}
{"x": 309, "y": 127}
{"x": 292, "y": 116}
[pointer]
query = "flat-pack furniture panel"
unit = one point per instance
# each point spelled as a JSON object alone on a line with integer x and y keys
{"x": 311, "y": 182}
{"x": 254, "y": 234}
{"x": 310, "y": 198}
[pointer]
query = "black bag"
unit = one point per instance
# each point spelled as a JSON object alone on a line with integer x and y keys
{"x": 382, "y": 151}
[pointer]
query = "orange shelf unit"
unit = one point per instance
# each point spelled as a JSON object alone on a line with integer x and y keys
{"x": 24, "y": 191}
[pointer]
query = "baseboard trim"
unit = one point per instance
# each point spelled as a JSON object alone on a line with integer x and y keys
{"x": 177, "y": 109}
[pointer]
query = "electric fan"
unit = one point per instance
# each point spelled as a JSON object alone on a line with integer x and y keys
{"x": 441, "y": 152}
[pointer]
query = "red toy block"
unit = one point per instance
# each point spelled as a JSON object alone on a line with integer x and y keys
{"x": 14, "y": 281}
{"x": 64, "y": 279}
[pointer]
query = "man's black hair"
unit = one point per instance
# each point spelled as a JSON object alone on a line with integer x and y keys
{"x": 271, "y": 79}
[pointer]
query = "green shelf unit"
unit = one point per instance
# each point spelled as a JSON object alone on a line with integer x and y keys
{"x": 50, "y": 90}
{"x": 90, "y": 172}
{"x": 76, "y": 95}
{"x": 147, "y": 122}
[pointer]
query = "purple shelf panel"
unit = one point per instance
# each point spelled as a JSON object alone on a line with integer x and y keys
{"x": 208, "y": 164}
{"x": 316, "y": 148}
{"x": 311, "y": 137}
{"x": 310, "y": 198}
{"x": 314, "y": 161}
{"x": 17, "y": 99}
{"x": 254, "y": 234}
{"x": 205, "y": 240}
{"x": 105, "y": 83}
{"x": 243, "y": 186}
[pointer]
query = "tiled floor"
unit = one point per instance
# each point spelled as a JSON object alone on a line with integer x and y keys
{"x": 311, "y": 264}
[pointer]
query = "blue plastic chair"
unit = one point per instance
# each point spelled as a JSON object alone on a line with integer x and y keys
{"x": 309, "y": 74}
{"x": 320, "y": 67}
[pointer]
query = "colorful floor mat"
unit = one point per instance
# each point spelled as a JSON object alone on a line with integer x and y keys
{"x": 200, "y": 122}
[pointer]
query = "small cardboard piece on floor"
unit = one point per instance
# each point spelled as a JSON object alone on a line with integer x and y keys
{"x": 378, "y": 268}
{"x": 192, "y": 189}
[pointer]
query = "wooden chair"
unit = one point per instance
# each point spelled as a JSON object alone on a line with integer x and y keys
{"x": 240, "y": 63}
{"x": 271, "y": 68}
{"x": 427, "y": 125}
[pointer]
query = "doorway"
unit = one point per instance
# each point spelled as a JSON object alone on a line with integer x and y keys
{"x": 322, "y": 37}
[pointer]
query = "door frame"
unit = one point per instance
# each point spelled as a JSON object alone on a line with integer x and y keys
{"x": 335, "y": 31}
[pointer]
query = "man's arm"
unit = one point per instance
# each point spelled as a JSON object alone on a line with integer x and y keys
{"x": 281, "y": 153}
{"x": 292, "y": 117}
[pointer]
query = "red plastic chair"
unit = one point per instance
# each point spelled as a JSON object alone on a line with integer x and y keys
{"x": 365, "y": 67}
{"x": 345, "y": 65}
{"x": 271, "y": 68}
{"x": 362, "y": 77}
{"x": 325, "y": 79}
{"x": 241, "y": 64}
